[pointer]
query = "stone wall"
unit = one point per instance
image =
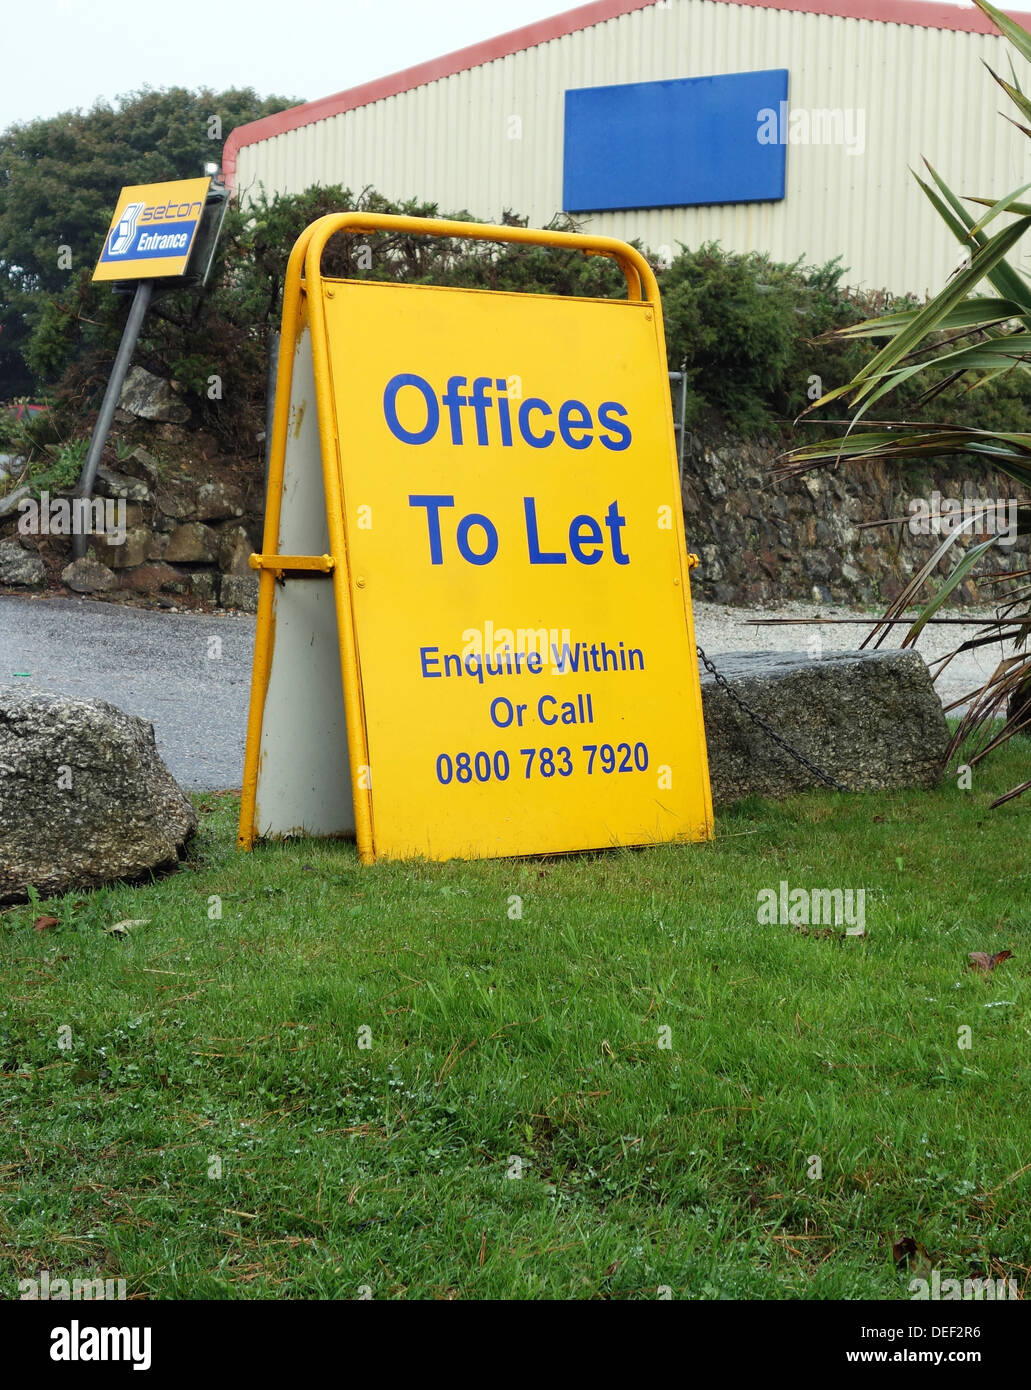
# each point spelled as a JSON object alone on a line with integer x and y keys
{"x": 765, "y": 542}
{"x": 191, "y": 527}
{"x": 185, "y": 540}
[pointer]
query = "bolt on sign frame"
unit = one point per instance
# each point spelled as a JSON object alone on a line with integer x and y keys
{"x": 474, "y": 631}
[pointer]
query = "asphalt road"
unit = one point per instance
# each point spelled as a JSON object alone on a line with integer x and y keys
{"x": 167, "y": 668}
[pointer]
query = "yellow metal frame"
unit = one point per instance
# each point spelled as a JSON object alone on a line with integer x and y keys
{"x": 302, "y": 297}
{"x": 280, "y": 564}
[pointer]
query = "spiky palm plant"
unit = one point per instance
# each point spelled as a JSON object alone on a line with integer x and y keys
{"x": 957, "y": 334}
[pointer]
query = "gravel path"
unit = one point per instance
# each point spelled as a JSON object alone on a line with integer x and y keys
{"x": 190, "y": 675}
{"x": 721, "y": 629}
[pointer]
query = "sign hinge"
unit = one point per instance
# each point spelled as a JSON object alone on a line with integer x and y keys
{"x": 282, "y": 565}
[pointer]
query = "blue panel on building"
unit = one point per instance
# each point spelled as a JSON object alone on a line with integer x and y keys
{"x": 673, "y": 144}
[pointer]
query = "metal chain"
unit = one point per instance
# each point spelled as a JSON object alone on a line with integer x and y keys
{"x": 724, "y": 685}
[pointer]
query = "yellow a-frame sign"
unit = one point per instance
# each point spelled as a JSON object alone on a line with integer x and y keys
{"x": 474, "y": 622}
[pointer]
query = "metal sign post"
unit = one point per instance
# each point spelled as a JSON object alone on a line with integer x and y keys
{"x": 474, "y": 623}
{"x": 140, "y": 303}
{"x": 162, "y": 236}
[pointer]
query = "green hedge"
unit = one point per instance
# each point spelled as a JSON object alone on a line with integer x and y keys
{"x": 752, "y": 335}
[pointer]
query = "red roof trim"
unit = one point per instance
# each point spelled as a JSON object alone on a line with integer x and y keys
{"x": 915, "y": 12}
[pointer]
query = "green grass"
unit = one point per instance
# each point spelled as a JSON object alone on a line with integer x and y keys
{"x": 236, "y": 1040}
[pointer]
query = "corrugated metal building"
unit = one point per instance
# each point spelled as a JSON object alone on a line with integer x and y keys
{"x": 798, "y": 141}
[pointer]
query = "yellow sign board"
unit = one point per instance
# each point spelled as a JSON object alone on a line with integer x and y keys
{"x": 503, "y": 535}
{"x": 152, "y": 231}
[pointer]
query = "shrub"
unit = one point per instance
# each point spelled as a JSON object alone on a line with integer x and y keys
{"x": 756, "y": 337}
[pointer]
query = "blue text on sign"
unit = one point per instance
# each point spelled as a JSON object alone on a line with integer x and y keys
{"x": 585, "y": 537}
{"x": 538, "y": 423}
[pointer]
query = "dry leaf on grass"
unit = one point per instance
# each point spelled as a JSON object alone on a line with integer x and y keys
{"x": 910, "y": 1255}
{"x": 123, "y": 928}
{"x": 984, "y": 963}
{"x": 45, "y": 923}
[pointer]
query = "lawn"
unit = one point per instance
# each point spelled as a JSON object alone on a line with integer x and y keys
{"x": 387, "y": 1082}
